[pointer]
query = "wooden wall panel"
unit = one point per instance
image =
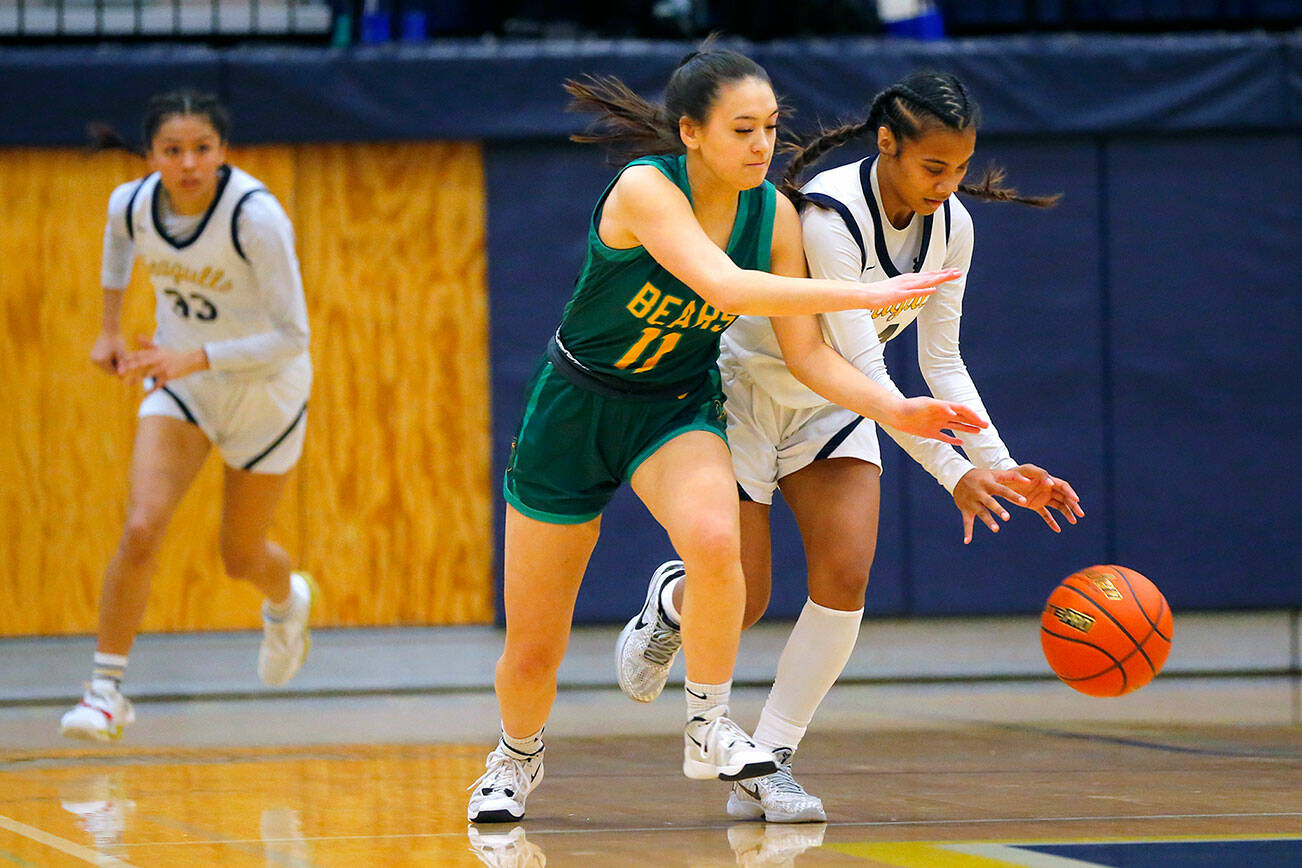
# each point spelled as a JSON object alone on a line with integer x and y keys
{"x": 419, "y": 551}
{"x": 392, "y": 241}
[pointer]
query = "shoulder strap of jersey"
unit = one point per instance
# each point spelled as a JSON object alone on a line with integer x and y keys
{"x": 826, "y": 201}
{"x": 879, "y": 237}
{"x": 235, "y": 217}
{"x": 131, "y": 206}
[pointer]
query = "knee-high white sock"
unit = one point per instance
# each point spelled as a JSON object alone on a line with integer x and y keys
{"x": 816, "y": 652}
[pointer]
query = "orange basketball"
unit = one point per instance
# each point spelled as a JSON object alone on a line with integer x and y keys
{"x": 1106, "y": 630}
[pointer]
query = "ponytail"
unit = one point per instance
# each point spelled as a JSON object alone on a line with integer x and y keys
{"x": 631, "y": 126}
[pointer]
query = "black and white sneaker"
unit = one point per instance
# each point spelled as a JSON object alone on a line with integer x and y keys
{"x": 715, "y": 747}
{"x": 775, "y": 798}
{"x": 648, "y": 643}
{"x": 498, "y": 796}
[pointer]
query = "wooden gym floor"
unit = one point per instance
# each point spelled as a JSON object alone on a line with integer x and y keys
{"x": 1190, "y": 771}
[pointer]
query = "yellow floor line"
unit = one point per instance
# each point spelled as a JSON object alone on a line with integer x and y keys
{"x": 915, "y": 855}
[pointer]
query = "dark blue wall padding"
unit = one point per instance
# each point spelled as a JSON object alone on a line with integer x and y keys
{"x": 1206, "y": 355}
{"x": 1032, "y": 339}
{"x": 511, "y": 91}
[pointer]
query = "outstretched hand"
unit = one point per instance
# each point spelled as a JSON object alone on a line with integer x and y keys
{"x": 1043, "y": 491}
{"x": 1027, "y": 486}
{"x": 896, "y": 290}
{"x": 160, "y": 364}
{"x": 975, "y": 496}
{"x": 930, "y": 418}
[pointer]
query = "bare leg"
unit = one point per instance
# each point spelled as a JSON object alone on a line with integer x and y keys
{"x": 544, "y": 565}
{"x": 248, "y": 507}
{"x": 756, "y": 562}
{"x": 689, "y": 487}
{"x": 165, "y": 459}
{"x": 836, "y": 503}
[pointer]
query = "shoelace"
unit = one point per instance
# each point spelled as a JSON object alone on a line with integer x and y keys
{"x": 782, "y": 781}
{"x": 503, "y": 773}
{"x": 733, "y": 732}
{"x": 663, "y": 644}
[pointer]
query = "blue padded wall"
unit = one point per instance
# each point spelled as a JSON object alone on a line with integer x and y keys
{"x": 1206, "y": 339}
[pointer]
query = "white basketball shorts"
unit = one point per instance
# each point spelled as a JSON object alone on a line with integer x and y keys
{"x": 770, "y": 441}
{"x": 256, "y": 424}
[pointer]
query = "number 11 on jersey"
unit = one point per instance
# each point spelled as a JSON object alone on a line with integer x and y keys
{"x": 668, "y": 340}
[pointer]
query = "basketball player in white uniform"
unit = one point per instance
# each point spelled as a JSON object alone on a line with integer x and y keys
{"x": 227, "y": 367}
{"x": 868, "y": 221}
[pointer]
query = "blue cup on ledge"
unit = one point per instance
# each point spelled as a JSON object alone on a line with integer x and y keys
{"x": 375, "y": 24}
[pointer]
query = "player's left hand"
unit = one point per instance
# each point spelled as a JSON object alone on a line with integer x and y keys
{"x": 975, "y": 494}
{"x": 160, "y": 364}
{"x": 1044, "y": 491}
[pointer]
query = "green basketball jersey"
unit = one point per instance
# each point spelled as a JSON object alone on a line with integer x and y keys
{"x": 634, "y": 326}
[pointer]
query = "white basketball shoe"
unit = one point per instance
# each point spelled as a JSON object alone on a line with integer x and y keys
{"x": 775, "y": 798}
{"x": 499, "y": 794}
{"x": 648, "y": 643}
{"x": 285, "y": 643}
{"x": 715, "y": 747}
{"x": 102, "y": 715}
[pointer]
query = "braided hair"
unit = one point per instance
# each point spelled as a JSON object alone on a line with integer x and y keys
{"x": 923, "y": 101}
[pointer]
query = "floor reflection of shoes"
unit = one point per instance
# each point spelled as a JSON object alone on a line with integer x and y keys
{"x": 510, "y": 850}
{"x": 773, "y": 845}
{"x": 282, "y": 838}
{"x": 101, "y": 808}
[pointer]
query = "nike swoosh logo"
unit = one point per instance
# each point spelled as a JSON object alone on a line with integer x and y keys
{"x": 694, "y": 693}
{"x": 640, "y": 623}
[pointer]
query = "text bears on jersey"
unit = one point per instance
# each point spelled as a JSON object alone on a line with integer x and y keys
{"x": 657, "y": 308}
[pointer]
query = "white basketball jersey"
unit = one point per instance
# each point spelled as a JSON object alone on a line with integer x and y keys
{"x": 204, "y": 288}
{"x": 884, "y": 252}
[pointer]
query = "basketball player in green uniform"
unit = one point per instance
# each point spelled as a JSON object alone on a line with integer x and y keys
{"x": 681, "y": 242}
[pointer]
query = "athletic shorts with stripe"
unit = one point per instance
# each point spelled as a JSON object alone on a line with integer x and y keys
{"x": 770, "y": 440}
{"x": 257, "y": 424}
{"x": 575, "y": 447}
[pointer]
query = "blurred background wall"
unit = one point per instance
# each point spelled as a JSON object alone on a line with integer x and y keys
{"x": 1140, "y": 340}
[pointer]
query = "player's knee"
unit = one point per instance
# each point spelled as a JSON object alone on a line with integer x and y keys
{"x": 711, "y": 545}
{"x": 530, "y": 663}
{"x": 142, "y": 534}
{"x": 840, "y": 585}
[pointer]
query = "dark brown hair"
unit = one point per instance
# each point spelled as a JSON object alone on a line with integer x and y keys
{"x": 923, "y": 101}
{"x": 159, "y": 110}
{"x": 631, "y": 126}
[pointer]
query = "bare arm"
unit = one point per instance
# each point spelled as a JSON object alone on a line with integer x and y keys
{"x": 645, "y": 208}
{"x": 827, "y": 372}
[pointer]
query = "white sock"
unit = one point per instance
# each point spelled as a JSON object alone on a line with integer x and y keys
{"x": 108, "y": 672}
{"x": 530, "y": 745}
{"x": 282, "y": 610}
{"x": 667, "y": 608}
{"x": 816, "y": 652}
{"x": 703, "y": 697}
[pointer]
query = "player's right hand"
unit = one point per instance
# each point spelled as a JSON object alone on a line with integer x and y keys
{"x": 108, "y": 352}
{"x": 927, "y": 417}
{"x": 901, "y": 288}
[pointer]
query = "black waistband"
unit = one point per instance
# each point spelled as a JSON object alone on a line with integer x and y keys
{"x": 609, "y": 387}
